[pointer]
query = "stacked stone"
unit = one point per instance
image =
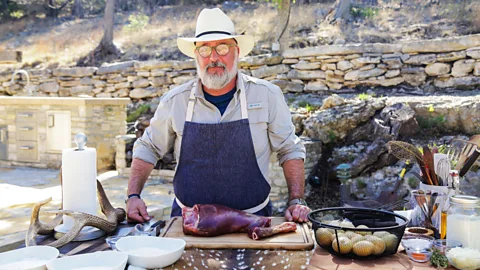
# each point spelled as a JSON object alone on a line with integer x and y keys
{"x": 154, "y": 78}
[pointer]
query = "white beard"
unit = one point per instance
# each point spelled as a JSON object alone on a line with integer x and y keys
{"x": 216, "y": 81}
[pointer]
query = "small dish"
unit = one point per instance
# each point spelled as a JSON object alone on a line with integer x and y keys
{"x": 419, "y": 255}
{"x": 442, "y": 245}
{"x": 417, "y": 242}
{"x": 28, "y": 258}
{"x": 463, "y": 258}
{"x": 105, "y": 260}
{"x": 151, "y": 252}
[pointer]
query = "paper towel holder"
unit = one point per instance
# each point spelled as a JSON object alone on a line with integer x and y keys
{"x": 80, "y": 140}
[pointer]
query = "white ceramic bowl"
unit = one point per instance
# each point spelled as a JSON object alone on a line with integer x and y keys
{"x": 151, "y": 252}
{"x": 101, "y": 260}
{"x": 31, "y": 258}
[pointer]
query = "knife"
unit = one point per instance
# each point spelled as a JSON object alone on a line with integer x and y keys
{"x": 470, "y": 161}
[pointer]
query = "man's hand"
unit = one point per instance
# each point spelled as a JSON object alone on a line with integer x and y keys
{"x": 297, "y": 213}
{"x": 137, "y": 210}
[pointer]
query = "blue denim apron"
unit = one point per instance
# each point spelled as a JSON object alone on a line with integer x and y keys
{"x": 217, "y": 165}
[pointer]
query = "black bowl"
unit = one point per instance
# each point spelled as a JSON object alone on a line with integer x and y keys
{"x": 333, "y": 225}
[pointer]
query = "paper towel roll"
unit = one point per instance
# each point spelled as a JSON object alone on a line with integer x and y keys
{"x": 79, "y": 187}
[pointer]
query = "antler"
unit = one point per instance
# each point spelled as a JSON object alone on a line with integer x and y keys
{"x": 114, "y": 216}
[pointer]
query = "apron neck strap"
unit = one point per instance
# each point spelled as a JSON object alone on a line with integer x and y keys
{"x": 192, "y": 99}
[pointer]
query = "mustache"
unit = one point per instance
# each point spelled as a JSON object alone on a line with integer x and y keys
{"x": 216, "y": 64}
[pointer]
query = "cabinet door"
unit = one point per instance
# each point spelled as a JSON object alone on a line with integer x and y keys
{"x": 58, "y": 131}
{"x": 3, "y": 143}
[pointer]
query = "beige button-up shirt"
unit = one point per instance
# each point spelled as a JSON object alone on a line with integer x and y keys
{"x": 269, "y": 116}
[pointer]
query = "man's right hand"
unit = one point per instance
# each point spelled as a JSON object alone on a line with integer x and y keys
{"x": 137, "y": 210}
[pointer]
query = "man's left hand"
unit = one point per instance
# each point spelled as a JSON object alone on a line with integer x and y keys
{"x": 297, "y": 213}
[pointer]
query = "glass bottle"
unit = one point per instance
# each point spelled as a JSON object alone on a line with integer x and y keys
{"x": 343, "y": 174}
{"x": 463, "y": 221}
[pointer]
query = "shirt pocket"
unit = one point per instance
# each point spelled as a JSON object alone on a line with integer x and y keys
{"x": 258, "y": 118}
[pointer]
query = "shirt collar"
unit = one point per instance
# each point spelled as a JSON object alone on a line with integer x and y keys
{"x": 240, "y": 87}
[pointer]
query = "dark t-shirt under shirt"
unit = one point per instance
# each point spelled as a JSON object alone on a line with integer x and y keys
{"x": 221, "y": 102}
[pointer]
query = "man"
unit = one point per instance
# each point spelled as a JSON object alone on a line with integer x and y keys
{"x": 222, "y": 128}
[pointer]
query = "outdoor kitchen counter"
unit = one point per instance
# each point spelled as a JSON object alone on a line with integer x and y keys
{"x": 258, "y": 259}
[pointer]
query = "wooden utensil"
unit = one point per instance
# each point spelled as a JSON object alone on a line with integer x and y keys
{"x": 429, "y": 165}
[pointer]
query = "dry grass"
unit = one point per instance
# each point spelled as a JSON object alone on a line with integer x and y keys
{"x": 50, "y": 43}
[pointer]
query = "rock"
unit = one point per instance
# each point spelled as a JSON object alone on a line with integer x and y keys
{"x": 332, "y": 77}
{"x": 358, "y": 75}
{"x": 315, "y": 86}
{"x": 160, "y": 81}
{"x": 333, "y": 125}
{"x": 115, "y": 68}
{"x": 442, "y": 45}
{"x": 462, "y": 67}
{"x": 290, "y": 61}
{"x": 266, "y": 71}
{"x": 75, "y": 72}
{"x": 393, "y": 63}
{"x": 182, "y": 79}
{"x": 421, "y": 59}
{"x": 344, "y": 65}
{"x": 415, "y": 79}
{"x": 332, "y": 101}
{"x": 81, "y": 89}
{"x": 437, "y": 69}
{"x": 49, "y": 87}
{"x": 342, "y": 50}
{"x": 384, "y": 82}
{"x": 124, "y": 92}
{"x": 103, "y": 95}
{"x": 476, "y": 69}
{"x": 303, "y": 65}
{"x": 181, "y": 65}
{"x": 158, "y": 72}
{"x": 261, "y": 60}
{"x": 306, "y": 75}
{"x": 328, "y": 67}
{"x": 121, "y": 85}
{"x": 334, "y": 85}
{"x": 288, "y": 86}
{"x": 139, "y": 93}
{"x": 361, "y": 61}
{"x": 367, "y": 67}
{"x": 450, "y": 57}
{"x": 461, "y": 82}
{"x": 86, "y": 81}
{"x": 141, "y": 83}
{"x": 152, "y": 64}
{"x": 474, "y": 53}
{"x": 392, "y": 73}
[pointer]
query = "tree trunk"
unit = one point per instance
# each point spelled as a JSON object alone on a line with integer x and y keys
{"x": 282, "y": 33}
{"x": 78, "y": 10}
{"x": 106, "y": 51}
{"x": 52, "y": 12}
{"x": 341, "y": 10}
{"x": 107, "y": 39}
{"x": 4, "y": 9}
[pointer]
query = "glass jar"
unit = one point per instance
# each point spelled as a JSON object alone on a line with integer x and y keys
{"x": 463, "y": 221}
{"x": 343, "y": 174}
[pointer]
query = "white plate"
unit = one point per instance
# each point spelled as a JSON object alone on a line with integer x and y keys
{"x": 151, "y": 252}
{"x": 28, "y": 258}
{"x": 101, "y": 260}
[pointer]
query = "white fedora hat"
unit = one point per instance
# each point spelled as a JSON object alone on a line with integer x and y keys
{"x": 213, "y": 24}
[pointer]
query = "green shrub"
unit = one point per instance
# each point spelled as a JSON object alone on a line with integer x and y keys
{"x": 133, "y": 116}
{"x": 363, "y": 12}
{"x": 136, "y": 22}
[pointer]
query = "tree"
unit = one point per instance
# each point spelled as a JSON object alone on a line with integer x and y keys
{"x": 341, "y": 10}
{"x": 78, "y": 10}
{"x": 282, "y": 35}
{"x": 106, "y": 49}
{"x": 52, "y": 9}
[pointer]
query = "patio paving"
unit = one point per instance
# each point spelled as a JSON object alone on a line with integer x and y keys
{"x": 22, "y": 187}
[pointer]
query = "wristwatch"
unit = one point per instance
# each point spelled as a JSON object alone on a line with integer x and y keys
{"x": 132, "y": 195}
{"x": 297, "y": 201}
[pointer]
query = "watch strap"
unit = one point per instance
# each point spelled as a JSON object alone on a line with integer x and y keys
{"x": 299, "y": 201}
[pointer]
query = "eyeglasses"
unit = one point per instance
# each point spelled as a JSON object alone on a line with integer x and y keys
{"x": 221, "y": 49}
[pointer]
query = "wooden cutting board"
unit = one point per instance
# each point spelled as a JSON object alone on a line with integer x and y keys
{"x": 301, "y": 239}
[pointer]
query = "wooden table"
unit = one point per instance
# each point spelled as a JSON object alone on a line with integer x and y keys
{"x": 315, "y": 259}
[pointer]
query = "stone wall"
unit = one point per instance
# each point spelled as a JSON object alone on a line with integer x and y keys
{"x": 441, "y": 63}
